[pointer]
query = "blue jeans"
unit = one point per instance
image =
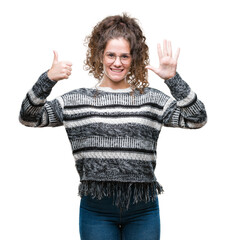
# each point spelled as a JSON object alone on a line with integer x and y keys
{"x": 100, "y": 220}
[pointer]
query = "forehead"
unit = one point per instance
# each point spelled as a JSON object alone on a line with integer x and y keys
{"x": 118, "y": 45}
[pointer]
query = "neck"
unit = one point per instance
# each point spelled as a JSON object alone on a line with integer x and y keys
{"x": 114, "y": 85}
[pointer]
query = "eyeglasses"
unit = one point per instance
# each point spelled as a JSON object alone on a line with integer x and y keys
{"x": 124, "y": 58}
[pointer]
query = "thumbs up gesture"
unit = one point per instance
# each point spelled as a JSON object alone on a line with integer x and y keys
{"x": 59, "y": 70}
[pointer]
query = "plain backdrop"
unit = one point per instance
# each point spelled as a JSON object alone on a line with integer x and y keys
{"x": 38, "y": 178}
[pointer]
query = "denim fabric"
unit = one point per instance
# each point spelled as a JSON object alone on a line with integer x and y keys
{"x": 101, "y": 220}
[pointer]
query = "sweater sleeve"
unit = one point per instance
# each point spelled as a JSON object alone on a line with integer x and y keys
{"x": 185, "y": 110}
{"x": 36, "y": 111}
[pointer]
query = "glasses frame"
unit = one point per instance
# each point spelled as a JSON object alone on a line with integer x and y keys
{"x": 112, "y": 59}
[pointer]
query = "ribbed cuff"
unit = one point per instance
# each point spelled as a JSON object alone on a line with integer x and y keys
{"x": 43, "y": 86}
{"x": 178, "y": 87}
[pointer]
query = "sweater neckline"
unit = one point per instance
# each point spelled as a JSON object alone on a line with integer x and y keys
{"x": 109, "y": 89}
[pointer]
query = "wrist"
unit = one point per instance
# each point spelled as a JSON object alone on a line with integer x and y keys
{"x": 43, "y": 86}
{"x": 50, "y": 75}
{"x": 170, "y": 76}
{"x": 178, "y": 87}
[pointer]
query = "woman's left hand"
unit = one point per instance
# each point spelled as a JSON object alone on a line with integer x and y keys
{"x": 167, "y": 63}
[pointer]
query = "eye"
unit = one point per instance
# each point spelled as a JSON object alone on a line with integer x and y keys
{"x": 125, "y": 57}
{"x": 111, "y": 55}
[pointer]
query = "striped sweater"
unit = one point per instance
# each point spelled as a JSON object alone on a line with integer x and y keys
{"x": 114, "y": 135}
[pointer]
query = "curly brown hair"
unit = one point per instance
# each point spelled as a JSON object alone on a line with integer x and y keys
{"x": 115, "y": 27}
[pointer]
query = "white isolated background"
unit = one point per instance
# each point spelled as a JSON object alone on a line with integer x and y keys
{"x": 38, "y": 179}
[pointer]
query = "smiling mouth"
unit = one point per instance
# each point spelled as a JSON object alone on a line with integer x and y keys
{"x": 116, "y": 70}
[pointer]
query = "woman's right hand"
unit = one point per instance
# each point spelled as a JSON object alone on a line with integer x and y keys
{"x": 59, "y": 70}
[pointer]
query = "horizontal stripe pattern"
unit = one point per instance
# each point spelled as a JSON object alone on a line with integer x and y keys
{"x": 108, "y": 127}
{"x": 110, "y": 142}
{"x": 186, "y": 101}
{"x": 105, "y": 130}
{"x": 114, "y": 155}
{"x": 79, "y": 110}
{"x": 145, "y": 115}
{"x": 34, "y": 100}
{"x": 114, "y": 149}
{"x": 110, "y": 120}
{"x": 30, "y": 108}
{"x": 114, "y": 133}
{"x": 152, "y": 98}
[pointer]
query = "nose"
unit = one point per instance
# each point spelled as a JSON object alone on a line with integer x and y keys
{"x": 117, "y": 61}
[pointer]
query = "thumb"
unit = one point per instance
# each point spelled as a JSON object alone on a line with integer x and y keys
{"x": 155, "y": 70}
{"x": 55, "y": 59}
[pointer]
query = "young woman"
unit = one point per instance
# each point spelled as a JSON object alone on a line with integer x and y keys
{"x": 113, "y": 127}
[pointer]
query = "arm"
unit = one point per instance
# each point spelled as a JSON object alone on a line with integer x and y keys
{"x": 36, "y": 111}
{"x": 186, "y": 110}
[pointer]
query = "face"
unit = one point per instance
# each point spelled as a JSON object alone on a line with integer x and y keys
{"x": 116, "y": 62}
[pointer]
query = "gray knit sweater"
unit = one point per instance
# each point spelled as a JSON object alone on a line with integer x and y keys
{"x": 114, "y": 136}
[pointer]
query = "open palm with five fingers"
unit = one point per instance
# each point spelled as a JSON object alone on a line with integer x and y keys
{"x": 167, "y": 62}
{"x": 59, "y": 70}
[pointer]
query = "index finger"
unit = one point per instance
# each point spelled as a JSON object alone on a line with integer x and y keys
{"x": 159, "y": 51}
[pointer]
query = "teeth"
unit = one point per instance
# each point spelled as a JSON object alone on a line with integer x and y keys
{"x": 115, "y": 70}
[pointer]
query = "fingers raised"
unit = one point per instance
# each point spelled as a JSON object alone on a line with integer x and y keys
{"x": 176, "y": 56}
{"x": 159, "y": 51}
{"x": 169, "y": 49}
{"x": 165, "y": 52}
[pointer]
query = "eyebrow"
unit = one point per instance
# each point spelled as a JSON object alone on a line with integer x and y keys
{"x": 114, "y": 52}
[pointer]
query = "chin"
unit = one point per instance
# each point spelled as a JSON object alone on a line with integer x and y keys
{"x": 116, "y": 78}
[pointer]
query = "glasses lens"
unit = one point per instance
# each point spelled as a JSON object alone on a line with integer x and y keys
{"x": 125, "y": 58}
{"x": 111, "y": 57}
